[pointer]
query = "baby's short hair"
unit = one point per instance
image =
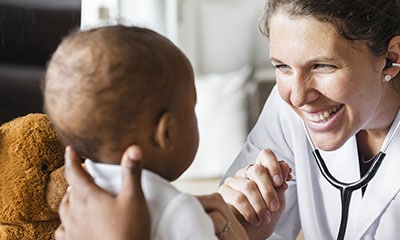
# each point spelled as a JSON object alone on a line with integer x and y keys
{"x": 102, "y": 82}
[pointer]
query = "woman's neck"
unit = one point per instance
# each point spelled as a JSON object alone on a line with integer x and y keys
{"x": 370, "y": 142}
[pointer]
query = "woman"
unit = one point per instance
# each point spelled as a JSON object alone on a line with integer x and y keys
{"x": 334, "y": 72}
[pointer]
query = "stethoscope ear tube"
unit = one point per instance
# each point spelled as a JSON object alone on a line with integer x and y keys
{"x": 390, "y": 64}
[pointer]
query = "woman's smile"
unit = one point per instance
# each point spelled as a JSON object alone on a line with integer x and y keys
{"x": 324, "y": 120}
{"x": 322, "y": 116}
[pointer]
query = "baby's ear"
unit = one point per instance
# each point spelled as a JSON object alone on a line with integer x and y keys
{"x": 166, "y": 131}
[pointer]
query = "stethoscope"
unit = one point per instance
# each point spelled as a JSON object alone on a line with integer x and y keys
{"x": 346, "y": 189}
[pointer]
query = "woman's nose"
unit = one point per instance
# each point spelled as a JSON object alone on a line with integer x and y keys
{"x": 302, "y": 90}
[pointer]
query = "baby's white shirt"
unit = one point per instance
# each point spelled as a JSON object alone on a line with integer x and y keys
{"x": 174, "y": 215}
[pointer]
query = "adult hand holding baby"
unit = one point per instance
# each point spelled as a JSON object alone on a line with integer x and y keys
{"x": 89, "y": 212}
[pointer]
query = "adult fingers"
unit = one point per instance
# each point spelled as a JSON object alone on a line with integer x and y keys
{"x": 131, "y": 174}
{"x": 75, "y": 174}
{"x": 59, "y": 233}
{"x": 131, "y": 196}
{"x": 80, "y": 182}
{"x": 225, "y": 223}
{"x": 64, "y": 207}
{"x": 245, "y": 197}
{"x": 261, "y": 178}
{"x": 286, "y": 171}
{"x": 268, "y": 159}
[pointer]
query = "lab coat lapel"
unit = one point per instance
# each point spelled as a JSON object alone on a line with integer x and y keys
{"x": 380, "y": 191}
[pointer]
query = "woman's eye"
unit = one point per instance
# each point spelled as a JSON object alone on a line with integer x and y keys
{"x": 324, "y": 67}
{"x": 281, "y": 67}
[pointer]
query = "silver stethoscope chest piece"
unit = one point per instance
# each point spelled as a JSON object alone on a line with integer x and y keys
{"x": 346, "y": 189}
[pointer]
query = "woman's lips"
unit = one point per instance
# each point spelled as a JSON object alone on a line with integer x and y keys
{"x": 322, "y": 116}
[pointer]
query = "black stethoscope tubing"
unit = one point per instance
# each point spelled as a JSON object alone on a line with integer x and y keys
{"x": 346, "y": 189}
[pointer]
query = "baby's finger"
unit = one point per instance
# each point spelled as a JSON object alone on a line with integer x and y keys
{"x": 218, "y": 220}
{"x": 212, "y": 202}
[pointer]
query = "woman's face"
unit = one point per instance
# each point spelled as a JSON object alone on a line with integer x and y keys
{"x": 333, "y": 84}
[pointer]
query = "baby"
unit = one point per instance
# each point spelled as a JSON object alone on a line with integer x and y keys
{"x": 111, "y": 87}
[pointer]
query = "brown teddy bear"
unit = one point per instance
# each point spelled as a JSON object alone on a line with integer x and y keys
{"x": 32, "y": 179}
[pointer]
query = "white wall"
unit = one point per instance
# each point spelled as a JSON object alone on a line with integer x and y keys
{"x": 217, "y": 35}
{"x": 155, "y": 14}
{"x": 222, "y": 35}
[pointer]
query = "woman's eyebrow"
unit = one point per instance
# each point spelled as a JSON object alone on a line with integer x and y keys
{"x": 313, "y": 60}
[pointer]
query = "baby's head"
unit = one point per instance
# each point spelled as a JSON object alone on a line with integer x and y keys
{"x": 114, "y": 86}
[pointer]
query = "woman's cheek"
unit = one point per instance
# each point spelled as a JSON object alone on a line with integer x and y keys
{"x": 283, "y": 89}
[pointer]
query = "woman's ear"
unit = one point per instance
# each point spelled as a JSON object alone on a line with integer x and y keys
{"x": 166, "y": 131}
{"x": 393, "y": 55}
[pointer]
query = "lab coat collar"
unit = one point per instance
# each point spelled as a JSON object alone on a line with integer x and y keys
{"x": 380, "y": 191}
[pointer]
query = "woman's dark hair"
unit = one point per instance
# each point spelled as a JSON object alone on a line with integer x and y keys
{"x": 375, "y": 22}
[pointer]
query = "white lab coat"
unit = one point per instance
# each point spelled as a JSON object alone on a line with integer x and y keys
{"x": 312, "y": 204}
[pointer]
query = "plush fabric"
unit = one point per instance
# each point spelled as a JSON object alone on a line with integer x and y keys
{"x": 31, "y": 178}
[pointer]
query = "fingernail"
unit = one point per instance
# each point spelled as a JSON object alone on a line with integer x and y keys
{"x": 277, "y": 180}
{"x": 132, "y": 154}
{"x": 273, "y": 205}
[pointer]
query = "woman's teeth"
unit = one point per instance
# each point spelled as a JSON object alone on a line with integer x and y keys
{"x": 324, "y": 116}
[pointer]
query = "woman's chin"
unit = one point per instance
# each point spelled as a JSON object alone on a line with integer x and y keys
{"x": 326, "y": 142}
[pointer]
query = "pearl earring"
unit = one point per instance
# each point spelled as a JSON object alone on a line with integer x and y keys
{"x": 388, "y": 77}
